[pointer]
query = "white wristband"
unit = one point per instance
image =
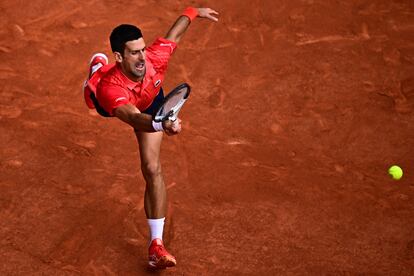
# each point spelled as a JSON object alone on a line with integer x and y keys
{"x": 157, "y": 126}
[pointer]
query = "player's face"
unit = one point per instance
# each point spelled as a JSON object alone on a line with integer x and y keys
{"x": 133, "y": 61}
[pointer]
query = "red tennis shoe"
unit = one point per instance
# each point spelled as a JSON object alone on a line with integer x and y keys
{"x": 158, "y": 256}
{"x": 97, "y": 61}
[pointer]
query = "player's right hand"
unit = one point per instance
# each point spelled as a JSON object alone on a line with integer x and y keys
{"x": 172, "y": 128}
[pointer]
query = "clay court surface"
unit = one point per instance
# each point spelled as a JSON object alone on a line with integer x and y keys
{"x": 298, "y": 109}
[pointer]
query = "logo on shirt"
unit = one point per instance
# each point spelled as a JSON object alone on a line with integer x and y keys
{"x": 157, "y": 83}
{"x": 120, "y": 99}
{"x": 167, "y": 45}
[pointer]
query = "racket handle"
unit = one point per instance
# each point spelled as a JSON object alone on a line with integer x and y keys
{"x": 175, "y": 122}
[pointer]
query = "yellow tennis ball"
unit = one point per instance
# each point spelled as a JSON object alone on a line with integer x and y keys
{"x": 395, "y": 172}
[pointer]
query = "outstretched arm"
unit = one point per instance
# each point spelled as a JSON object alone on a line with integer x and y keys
{"x": 129, "y": 114}
{"x": 180, "y": 26}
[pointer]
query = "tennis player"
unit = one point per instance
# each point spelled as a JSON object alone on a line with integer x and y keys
{"x": 131, "y": 90}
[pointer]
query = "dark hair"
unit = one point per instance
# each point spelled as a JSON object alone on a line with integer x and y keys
{"x": 122, "y": 34}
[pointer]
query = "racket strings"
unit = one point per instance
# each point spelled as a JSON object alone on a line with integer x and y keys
{"x": 172, "y": 104}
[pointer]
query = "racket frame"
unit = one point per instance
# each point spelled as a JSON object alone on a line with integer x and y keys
{"x": 172, "y": 115}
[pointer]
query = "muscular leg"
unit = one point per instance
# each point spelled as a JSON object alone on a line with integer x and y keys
{"x": 155, "y": 201}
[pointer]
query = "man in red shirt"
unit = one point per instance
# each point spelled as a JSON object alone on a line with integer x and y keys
{"x": 131, "y": 90}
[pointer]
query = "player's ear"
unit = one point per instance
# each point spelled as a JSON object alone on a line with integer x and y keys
{"x": 118, "y": 56}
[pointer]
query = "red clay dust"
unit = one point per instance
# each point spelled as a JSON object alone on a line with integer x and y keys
{"x": 297, "y": 110}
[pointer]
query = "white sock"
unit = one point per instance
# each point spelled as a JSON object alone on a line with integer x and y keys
{"x": 156, "y": 228}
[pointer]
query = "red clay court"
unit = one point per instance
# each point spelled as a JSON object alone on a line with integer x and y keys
{"x": 298, "y": 108}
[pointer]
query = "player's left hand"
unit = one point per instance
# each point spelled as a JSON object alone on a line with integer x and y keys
{"x": 207, "y": 13}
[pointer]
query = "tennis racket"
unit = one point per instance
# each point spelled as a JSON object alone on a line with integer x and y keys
{"x": 173, "y": 103}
